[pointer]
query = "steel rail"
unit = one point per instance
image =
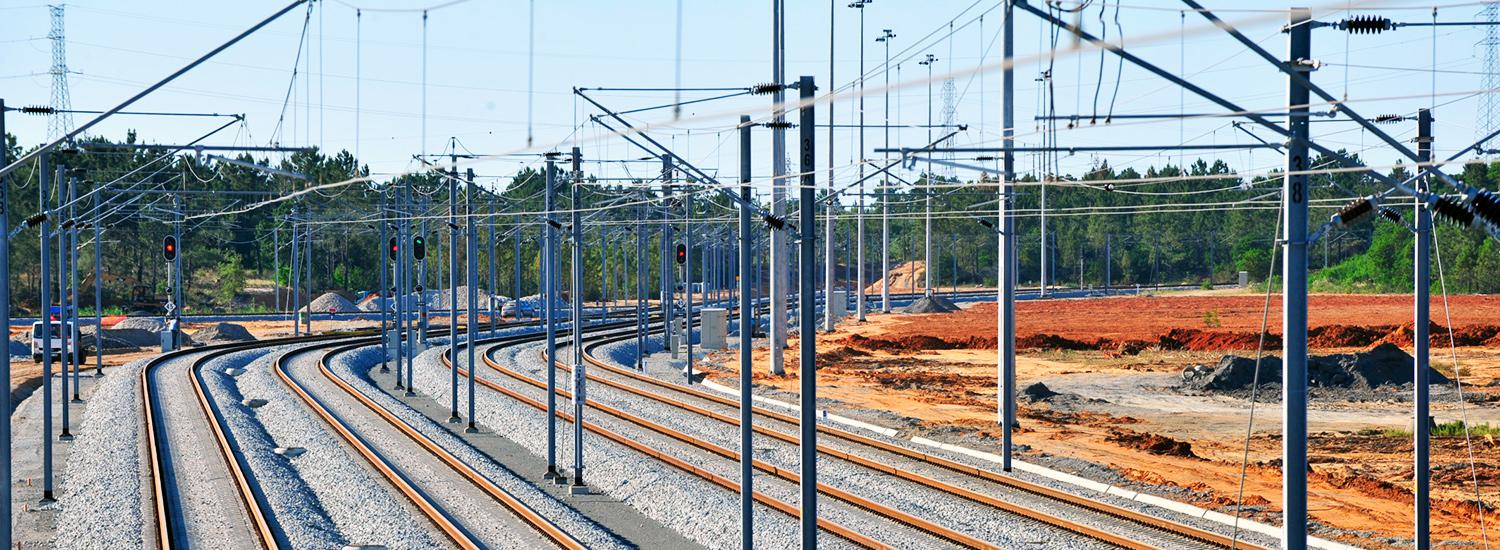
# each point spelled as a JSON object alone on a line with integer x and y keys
{"x": 1096, "y": 506}
{"x": 167, "y": 509}
{"x": 432, "y": 510}
{"x": 788, "y": 475}
{"x": 544, "y": 526}
{"x": 678, "y": 463}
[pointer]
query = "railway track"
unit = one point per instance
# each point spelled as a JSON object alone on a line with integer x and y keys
{"x": 687, "y": 466}
{"x": 170, "y": 515}
{"x": 162, "y": 383}
{"x": 1102, "y": 521}
{"x": 432, "y": 490}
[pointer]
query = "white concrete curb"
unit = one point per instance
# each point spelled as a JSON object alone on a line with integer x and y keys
{"x": 1081, "y": 482}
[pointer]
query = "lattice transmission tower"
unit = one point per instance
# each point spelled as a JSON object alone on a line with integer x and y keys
{"x": 61, "y": 121}
{"x": 1485, "y": 119}
{"x": 950, "y": 109}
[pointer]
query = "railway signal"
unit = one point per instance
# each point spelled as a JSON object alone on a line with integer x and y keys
{"x": 681, "y": 254}
{"x": 169, "y": 248}
{"x": 418, "y": 248}
{"x": 395, "y": 248}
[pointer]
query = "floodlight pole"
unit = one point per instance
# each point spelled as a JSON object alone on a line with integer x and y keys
{"x": 859, "y": 210}
{"x": 779, "y": 254}
{"x": 1294, "y": 293}
{"x": 829, "y": 274}
{"x": 927, "y": 264}
{"x": 885, "y": 190}
{"x": 1421, "y": 296}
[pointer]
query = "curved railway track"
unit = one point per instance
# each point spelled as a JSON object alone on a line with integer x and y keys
{"x": 1136, "y": 529}
{"x": 834, "y": 528}
{"x": 172, "y": 531}
{"x": 417, "y": 491}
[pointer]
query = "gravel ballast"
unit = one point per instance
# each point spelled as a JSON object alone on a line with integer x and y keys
{"x": 982, "y": 521}
{"x": 353, "y": 368}
{"x": 624, "y": 353}
{"x": 700, "y": 511}
{"x": 102, "y": 500}
{"x": 362, "y": 507}
{"x": 468, "y": 506}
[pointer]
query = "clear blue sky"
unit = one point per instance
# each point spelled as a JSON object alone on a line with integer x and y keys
{"x": 477, "y": 73}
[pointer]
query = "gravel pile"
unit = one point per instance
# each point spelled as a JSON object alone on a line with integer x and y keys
{"x": 118, "y": 339}
{"x": 690, "y": 506}
{"x": 222, "y": 332}
{"x": 149, "y": 324}
{"x": 930, "y": 304}
{"x": 353, "y": 367}
{"x": 104, "y": 478}
{"x": 374, "y": 304}
{"x": 328, "y": 480}
{"x": 1383, "y": 365}
{"x": 445, "y": 298}
{"x": 330, "y": 302}
{"x": 987, "y": 523}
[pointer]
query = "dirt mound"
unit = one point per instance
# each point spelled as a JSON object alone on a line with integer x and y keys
{"x": 1052, "y": 342}
{"x": 223, "y": 332}
{"x": 1384, "y": 365}
{"x": 148, "y": 324}
{"x": 1151, "y": 443}
{"x": 330, "y": 302}
{"x": 1192, "y": 339}
{"x": 1037, "y": 392}
{"x": 906, "y": 276}
{"x": 918, "y": 342}
{"x": 930, "y": 304}
{"x": 1345, "y": 336}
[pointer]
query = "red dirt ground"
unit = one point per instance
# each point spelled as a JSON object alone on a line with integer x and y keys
{"x": 1193, "y": 323}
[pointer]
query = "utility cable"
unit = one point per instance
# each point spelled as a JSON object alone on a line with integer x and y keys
{"x": 1463, "y": 405}
{"x": 1260, "y": 346}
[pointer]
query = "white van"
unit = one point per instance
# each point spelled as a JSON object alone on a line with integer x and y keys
{"x": 54, "y": 346}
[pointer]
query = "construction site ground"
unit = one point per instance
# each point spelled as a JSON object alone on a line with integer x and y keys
{"x": 1120, "y": 414}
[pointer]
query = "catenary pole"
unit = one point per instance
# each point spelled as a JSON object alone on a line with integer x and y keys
{"x": 452, "y": 259}
{"x": 1006, "y": 278}
{"x": 385, "y": 289}
{"x": 549, "y": 297}
{"x": 579, "y": 372}
{"x": 471, "y": 259}
{"x": 747, "y": 442}
{"x": 5, "y": 432}
{"x": 45, "y": 284}
{"x": 1422, "y": 295}
{"x": 806, "y": 368}
{"x": 687, "y": 281}
{"x": 1294, "y": 295}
